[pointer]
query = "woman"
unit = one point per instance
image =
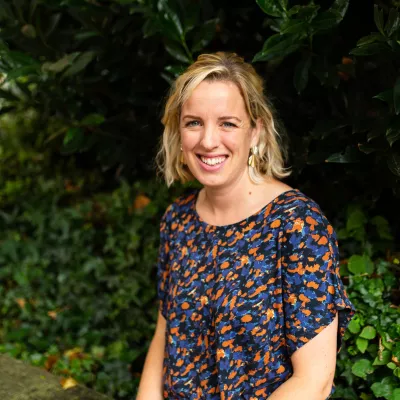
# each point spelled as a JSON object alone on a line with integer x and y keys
{"x": 251, "y": 302}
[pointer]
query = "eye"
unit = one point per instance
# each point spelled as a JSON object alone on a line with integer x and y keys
{"x": 192, "y": 123}
{"x": 228, "y": 124}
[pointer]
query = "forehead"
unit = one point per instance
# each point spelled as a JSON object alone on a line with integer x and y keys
{"x": 216, "y": 96}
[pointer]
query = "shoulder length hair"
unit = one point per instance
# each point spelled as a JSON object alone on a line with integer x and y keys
{"x": 222, "y": 66}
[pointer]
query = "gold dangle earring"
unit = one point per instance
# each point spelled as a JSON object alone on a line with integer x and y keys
{"x": 182, "y": 158}
{"x": 252, "y": 158}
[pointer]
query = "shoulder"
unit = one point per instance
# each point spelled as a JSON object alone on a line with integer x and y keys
{"x": 181, "y": 205}
{"x": 302, "y": 216}
{"x": 296, "y": 207}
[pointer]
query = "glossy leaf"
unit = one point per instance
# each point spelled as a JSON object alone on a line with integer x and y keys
{"x": 371, "y": 49}
{"x": 393, "y": 162}
{"x": 348, "y": 156}
{"x": 393, "y": 22}
{"x": 378, "y": 18}
{"x": 167, "y": 13}
{"x": 371, "y": 38}
{"x": 278, "y": 46}
{"x": 204, "y": 35}
{"x": 340, "y": 7}
{"x": 392, "y": 135}
{"x": 177, "y": 52}
{"x": 386, "y": 96}
{"x": 271, "y": 7}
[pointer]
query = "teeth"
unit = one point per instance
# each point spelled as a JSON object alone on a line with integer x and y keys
{"x": 212, "y": 161}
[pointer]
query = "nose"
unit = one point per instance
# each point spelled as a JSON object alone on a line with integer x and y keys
{"x": 210, "y": 137}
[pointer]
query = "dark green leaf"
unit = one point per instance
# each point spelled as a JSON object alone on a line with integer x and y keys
{"x": 73, "y": 140}
{"x": 325, "y": 21}
{"x": 382, "y": 227}
{"x": 357, "y": 265}
{"x": 177, "y": 52}
{"x": 278, "y": 46}
{"x": 22, "y": 72}
{"x": 168, "y": 14}
{"x": 386, "y": 96}
{"x": 393, "y": 22}
{"x": 204, "y": 35}
{"x": 61, "y": 64}
{"x": 307, "y": 13}
{"x": 93, "y": 119}
{"x": 340, "y": 7}
{"x": 392, "y": 135}
{"x": 294, "y": 26}
{"x": 350, "y": 155}
{"x": 371, "y": 49}
{"x": 382, "y": 389}
{"x": 323, "y": 128}
{"x": 86, "y": 35}
{"x": 378, "y": 18}
{"x": 175, "y": 70}
{"x": 271, "y": 7}
{"x": 150, "y": 28}
{"x": 393, "y": 162}
{"x": 80, "y": 63}
{"x": 372, "y": 38}
{"x": 301, "y": 74}
{"x": 53, "y": 22}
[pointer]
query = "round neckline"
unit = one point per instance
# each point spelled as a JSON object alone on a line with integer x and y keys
{"x": 243, "y": 221}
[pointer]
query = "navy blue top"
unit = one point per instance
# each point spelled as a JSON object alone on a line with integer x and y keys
{"x": 240, "y": 299}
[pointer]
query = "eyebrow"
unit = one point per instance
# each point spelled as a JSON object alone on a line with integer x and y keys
{"x": 219, "y": 119}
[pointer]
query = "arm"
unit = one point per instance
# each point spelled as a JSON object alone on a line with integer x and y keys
{"x": 313, "y": 368}
{"x": 151, "y": 382}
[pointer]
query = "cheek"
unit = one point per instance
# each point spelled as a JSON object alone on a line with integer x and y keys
{"x": 189, "y": 139}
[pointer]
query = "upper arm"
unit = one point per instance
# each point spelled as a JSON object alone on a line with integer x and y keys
{"x": 316, "y": 360}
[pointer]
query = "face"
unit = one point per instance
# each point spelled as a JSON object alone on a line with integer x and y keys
{"x": 216, "y": 134}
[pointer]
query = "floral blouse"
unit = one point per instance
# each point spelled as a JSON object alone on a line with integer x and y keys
{"x": 240, "y": 299}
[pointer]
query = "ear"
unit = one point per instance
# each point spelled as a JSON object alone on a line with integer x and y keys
{"x": 256, "y": 132}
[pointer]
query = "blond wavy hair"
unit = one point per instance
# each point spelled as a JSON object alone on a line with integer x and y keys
{"x": 222, "y": 66}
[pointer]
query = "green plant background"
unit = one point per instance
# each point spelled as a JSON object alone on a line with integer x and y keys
{"x": 82, "y": 85}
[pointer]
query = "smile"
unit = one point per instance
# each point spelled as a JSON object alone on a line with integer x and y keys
{"x": 211, "y": 163}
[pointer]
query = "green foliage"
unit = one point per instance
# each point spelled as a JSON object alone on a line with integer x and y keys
{"x": 77, "y": 270}
{"x": 369, "y": 367}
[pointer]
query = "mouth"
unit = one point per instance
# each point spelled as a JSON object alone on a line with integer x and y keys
{"x": 211, "y": 161}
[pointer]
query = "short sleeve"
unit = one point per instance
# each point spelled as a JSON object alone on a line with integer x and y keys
{"x": 312, "y": 289}
{"x": 163, "y": 264}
